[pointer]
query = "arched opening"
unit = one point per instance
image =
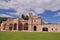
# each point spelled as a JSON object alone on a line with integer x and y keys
{"x": 44, "y": 29}
{"x": 34, "y": 28}
{"x": 56, "y": 29}
{"x": 15, "y": 26}
{"x": 20, "y": 26}
{"x": 52, "y": 29}
{"x": 26, "y": 26}
{"x": 4, "y": 27}
{"x": 10, "y": 26}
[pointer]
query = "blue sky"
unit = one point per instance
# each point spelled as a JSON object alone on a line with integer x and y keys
{"x": 50, "y": 16}
{"x": 49, "y": 10}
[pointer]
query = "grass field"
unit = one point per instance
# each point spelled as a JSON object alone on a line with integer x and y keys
{"x": 29, "y": 36}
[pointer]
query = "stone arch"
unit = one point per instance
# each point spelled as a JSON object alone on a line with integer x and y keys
{"x": 10, "y": 26}
{"x": 15, "y": 26}
{"x": 4, "y": 27}
{"x": 35, "y": 28}
{"x": 26, "y": 26}
{"x": 44, "y": 29}
{"x": 20, "y": 26}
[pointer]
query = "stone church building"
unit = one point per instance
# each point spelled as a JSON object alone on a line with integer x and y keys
{"x": 33, "y": 24}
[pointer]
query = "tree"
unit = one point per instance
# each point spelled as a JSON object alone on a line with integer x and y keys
{"x": 23, "y": 16}
{"x": 2, "y": 19}
{"x": 26, "y": 18}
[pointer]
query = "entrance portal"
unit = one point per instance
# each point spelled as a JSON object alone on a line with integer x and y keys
{"x": 4, "y": 27}
{"x": 15, "y": 26}
{"x": 10, "y": 26}
{"x": 44, "y": 29}
{"x": 20, "y": 26}
{"x": 34, "y": 28}
{"x": 26, "y": 26}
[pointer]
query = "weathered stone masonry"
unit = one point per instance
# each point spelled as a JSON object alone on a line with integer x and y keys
{"x": 34, "y": 24}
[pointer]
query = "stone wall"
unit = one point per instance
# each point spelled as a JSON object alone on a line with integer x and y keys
{"x": 34, "y": 24}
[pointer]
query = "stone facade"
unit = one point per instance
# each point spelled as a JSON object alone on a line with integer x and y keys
{"x": 34, "y": 24}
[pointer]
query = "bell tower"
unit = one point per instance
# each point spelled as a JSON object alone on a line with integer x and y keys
{"x": 30, "y": 22}
{"x": 30, "y": 16}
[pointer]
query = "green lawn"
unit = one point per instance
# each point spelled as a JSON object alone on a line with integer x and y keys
{"x": 29, "y": 36}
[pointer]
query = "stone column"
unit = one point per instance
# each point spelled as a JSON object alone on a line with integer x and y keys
{"x": 23, "y": 27}
{"x": 7, "y": 27}
{"x": 1, "y": 27}
{"x": 38, "y": 28}
{"x": 30, "y": 28}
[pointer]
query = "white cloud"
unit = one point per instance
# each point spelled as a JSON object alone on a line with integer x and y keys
{"x": 4, "y": 15}
{"x": 57, "y": 14}
{"x": 38, "y": 5}
{"x": 39, "y": 10}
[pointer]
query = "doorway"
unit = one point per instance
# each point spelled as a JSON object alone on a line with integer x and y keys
{"x": 44, "y": 29}
{"x": 34, "y": 28}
